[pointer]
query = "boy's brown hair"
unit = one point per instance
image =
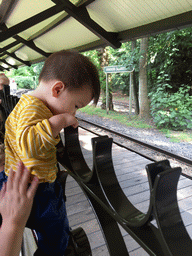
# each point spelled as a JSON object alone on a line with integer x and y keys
{"x": 73, "y": 69}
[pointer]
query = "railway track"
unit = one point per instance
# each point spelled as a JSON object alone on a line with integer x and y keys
{"x": 146, "y": 150}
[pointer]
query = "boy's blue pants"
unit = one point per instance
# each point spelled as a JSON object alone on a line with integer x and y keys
{"x": 48, "y": 217}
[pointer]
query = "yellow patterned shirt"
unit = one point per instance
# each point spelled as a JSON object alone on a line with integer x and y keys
{"x": 29, "y": 138}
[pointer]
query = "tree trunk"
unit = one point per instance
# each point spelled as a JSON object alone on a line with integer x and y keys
{"x": 104, "y": 61}
{"x": 143, "y": 94}
{"x": 135, "y": 95}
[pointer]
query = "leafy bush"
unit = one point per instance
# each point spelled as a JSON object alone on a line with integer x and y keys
{"x": 171, "y": 53}
{"x": 120, "y": 82}
{"x": 173, "y": 111}
{"x": 25, "y": 82}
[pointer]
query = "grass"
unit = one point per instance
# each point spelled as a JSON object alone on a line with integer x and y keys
{"x": 118, "y": 96}
{"x": 130, "y": 121}
{"x": 178, "y": 136}
{"x": 135, "y": 121}
{"x": 121, "y": 98}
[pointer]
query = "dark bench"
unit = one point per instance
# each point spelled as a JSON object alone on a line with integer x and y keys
{"x": 112, "y": 207}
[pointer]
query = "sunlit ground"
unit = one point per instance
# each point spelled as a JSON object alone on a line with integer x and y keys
{"x": 85, "y": 141}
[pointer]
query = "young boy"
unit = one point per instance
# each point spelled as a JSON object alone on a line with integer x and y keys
{"x": 68, "y": 81}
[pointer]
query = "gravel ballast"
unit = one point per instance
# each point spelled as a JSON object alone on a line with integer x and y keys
{"x": 151, "y": 136}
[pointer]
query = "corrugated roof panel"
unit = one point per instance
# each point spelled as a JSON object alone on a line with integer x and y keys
{"x": 130, "y": 19}
{"x": 121, "y": 15}
{"x": 185, "y": 3}
{"x": 26, "y": 9}
{"x": 6, "y": 42}
{"x": 28, "y": 33}
{"x": 27, "y": 54}
{"x": 66, "y": 35}
{"x": 172, "y": 7}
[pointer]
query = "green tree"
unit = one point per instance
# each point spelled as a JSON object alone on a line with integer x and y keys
{"x": 121, "y": 57}
{"x": 133, "y": 78}
{"x": 170, "y": 78}
{"x": 26, "y": 77}
{"x": 144, "y": 111}
{"x": 100, "y": 58}
{"x": 170, "y": 57}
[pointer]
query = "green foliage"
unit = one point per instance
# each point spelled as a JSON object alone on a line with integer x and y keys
{"x": 172, "y": 110}
{"x": 171, "y": 53}
{"x": 94, "y": 57}
{"x": 124, "y": 56}
{"x": 120, "y": 82}
{"x": 130, "y": 121}
{"x": 169, "y": 75}
{"x": 25, "y": 82}
{"x": 26, "y": 77}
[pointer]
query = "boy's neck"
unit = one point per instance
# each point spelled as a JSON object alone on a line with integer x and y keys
{"x": 41, "y": 94}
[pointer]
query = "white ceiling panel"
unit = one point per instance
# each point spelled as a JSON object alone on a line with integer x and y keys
{"x": 33, "y": 29}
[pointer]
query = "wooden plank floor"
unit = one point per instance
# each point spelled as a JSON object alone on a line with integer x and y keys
{"x": 131, "y": 173}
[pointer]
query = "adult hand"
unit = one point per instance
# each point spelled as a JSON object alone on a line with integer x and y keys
{"x": 3, "y": 80}
{"x": 16, "y": 197}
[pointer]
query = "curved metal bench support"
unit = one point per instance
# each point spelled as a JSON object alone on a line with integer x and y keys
{"x": 111, "y": 205}
{"x": 174, "y": 236}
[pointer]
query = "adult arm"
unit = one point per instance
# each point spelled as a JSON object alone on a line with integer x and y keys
{"x": 16, "y": 200}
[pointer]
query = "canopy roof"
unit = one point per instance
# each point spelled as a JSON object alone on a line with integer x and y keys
{"x": 30, "y": 30}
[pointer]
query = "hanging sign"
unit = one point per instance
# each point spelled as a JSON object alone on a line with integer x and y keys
{"x": 117, "y": 69}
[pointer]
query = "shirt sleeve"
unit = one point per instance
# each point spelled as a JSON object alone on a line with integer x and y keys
{"x": 34, "y": 136}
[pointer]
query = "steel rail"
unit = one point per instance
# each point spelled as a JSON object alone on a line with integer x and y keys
{"x": 130, "y": 149}
{"x": 157, "y": 149}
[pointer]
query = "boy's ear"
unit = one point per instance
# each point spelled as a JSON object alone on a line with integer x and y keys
{"x": 57, "y": 88}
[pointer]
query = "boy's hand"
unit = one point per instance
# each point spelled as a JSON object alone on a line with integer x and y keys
{"x": 58, "y": 122}
{"x": 16, "y": 198}
{"x": 70, "y": 120}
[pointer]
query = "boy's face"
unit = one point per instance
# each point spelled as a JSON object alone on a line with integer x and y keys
{"x": 70, "y": 101}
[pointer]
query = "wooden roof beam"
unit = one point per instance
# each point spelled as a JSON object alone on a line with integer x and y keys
{"x": 5, "y": 9}
{"x": 19, "y": 40}
{"x": 2, "y": 68}
{"x": 7, "y": 47}
{"x": 7, "y": 33}
{"x": 13, "y": 55}
{"x": 7, "y": 63}
{"x": 31, "y": 45}
{"x": 179, "y": 21}
{"x": 81, "y": 15}
{"x": 14, "y": 30}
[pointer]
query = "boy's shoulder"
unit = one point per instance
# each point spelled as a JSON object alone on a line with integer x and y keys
{"x": 29, "y": 108}
{"x": 28, "y": 100}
